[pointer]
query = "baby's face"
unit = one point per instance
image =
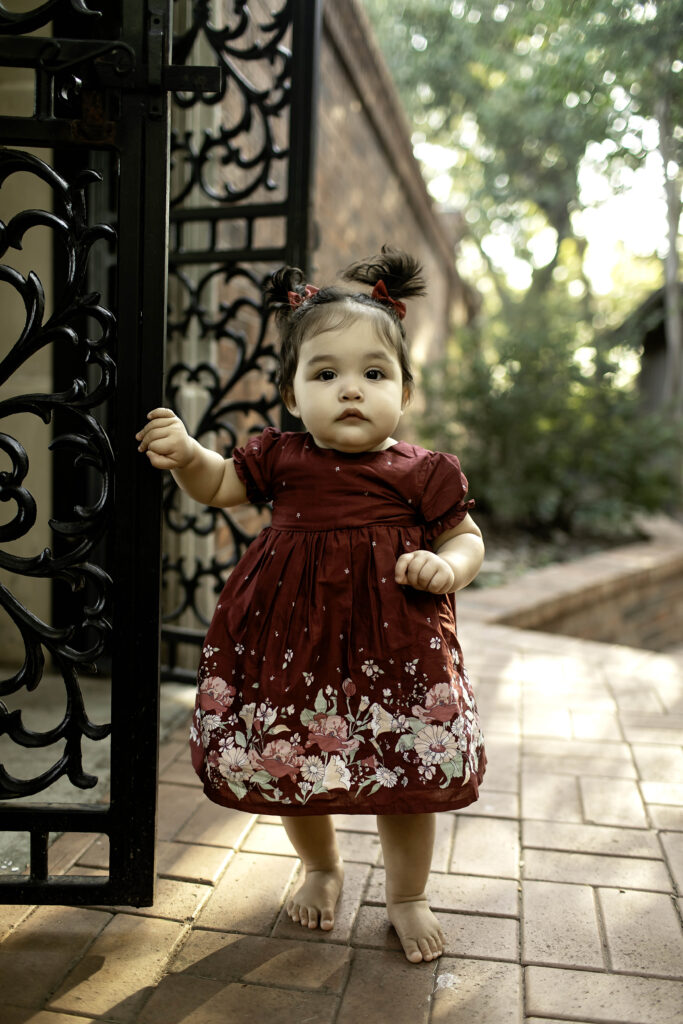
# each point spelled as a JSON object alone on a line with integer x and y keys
{"x": 348, "y": 389}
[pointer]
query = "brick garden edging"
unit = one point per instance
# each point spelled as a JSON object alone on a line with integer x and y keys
{"x": 629, "y": 595}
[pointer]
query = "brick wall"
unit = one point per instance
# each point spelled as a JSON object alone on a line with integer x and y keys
{"x": 368, "y": 186}
{"x": 631, "y": 595}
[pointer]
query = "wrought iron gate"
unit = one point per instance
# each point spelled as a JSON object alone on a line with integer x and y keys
{"x": 96, "y": 143}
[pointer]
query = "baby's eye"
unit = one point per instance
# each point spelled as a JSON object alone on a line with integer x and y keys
{"x": 326, "y": 375}
{"x": 374, "y": 374}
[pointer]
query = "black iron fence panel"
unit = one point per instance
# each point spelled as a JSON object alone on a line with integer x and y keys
{"x": 86, "y": 320}
{"x": 241, "y": 166}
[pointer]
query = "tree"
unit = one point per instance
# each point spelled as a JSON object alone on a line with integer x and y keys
{"x": 518, "y": 91}
{"x": 515, "y": 97}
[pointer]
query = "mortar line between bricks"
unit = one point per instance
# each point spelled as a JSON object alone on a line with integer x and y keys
{"x": 602, "y": 929}
{"x": 344, "y": 985}
{"x": 674, "y": 888}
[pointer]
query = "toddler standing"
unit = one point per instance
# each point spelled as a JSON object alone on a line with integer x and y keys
{"x": 331, "y": 680}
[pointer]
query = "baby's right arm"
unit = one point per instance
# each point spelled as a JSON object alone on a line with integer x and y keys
{"x": 205, "y": 475}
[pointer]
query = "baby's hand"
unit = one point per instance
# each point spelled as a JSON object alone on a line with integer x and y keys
{"x": 165, "y": 440}
{"x": 424, "y": 570}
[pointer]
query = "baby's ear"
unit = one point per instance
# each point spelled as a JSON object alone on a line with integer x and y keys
{"x": 290, "y": 401}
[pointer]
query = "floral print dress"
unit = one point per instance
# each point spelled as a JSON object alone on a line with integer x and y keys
{"x": 324, "y": 686}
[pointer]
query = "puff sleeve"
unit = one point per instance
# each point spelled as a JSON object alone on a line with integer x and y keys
{"x": 255, "y": 465}
{"x": 442, "y": 501}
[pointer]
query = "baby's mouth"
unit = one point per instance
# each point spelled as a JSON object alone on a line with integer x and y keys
{"x": 351, "y": 414}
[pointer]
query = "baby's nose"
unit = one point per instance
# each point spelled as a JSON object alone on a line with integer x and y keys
{"x": 350, "y": 390}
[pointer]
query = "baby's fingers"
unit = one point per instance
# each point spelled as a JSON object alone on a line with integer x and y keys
{"x": 401, "y": 568}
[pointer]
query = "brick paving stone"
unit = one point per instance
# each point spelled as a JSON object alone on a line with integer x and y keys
{"x": 663, "y": 793}
{"x": 477, "y": 992}
{"x": 169, "y": 751}
{"x": 249, "y": 895}
{"x": 595, "y": 726}
{"x": 602, "y": 998}
{"x": 548, "y": 722}
{"x": 560, "y": 925}
{"x": 97, "y": 854}
{"x": 359, "y": 847}
{"x": 658, "y": 763}
{"x": 67, "y": 849}
{"x": 673, "y": 850}
{"x": 193, "y": 1000}
{"x": 546, "y": 1020}
{"x": 486, "y": 938}
{"x": 382, "y": 985}
{"x": 173, "y": 901}
{"x": 462, "y": 893}
{"x": 643, "y": 932}
{"x": 354, "y": 822}
{"x": 38, "y": 954}
{"x": 666, "y": 817}
{"x": 114, "y": 978}
{"x": 503, "y": 768}
{"x": 176, "y": 805}
{"x": 212, "y": 825}
{"x": 551, "y": 797}
{"x": 582, "y": 749}
{"x": 493, "y": 805}
{"x": 574, "y": 838}
{"x": 487, "y": 846}
{"x": 612, "y": 802}
{"x": 189, "y": 862}
{"x": 11, "y": 917}
{"x": 19, "y": 1015}
{"x": 180, "y": 771}
{"x": 616, "y": 769}
{"x": 266, "y": 961}
{"x": 593, "y": 869}
{"x": 264, "y": 838}
{"x": 355, "y": 882}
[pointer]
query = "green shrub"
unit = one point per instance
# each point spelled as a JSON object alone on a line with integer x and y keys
{"x": 547, "y": 444}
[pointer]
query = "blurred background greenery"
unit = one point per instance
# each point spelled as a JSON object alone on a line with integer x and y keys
{"x": 550, "y": 133}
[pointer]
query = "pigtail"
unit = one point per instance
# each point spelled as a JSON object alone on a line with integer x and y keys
{"x": 400, "y": 272}
{"x": 278, "y": 289}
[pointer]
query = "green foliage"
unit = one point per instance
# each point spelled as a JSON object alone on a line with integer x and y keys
{"x": 546, "y": 443}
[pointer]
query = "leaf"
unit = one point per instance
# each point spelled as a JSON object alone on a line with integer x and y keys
{"x": 238, "y": 788}
{"x": 415, "y": 725}
{"x": 262, "y": 778}
{"x": 279, "y": 728}
{"x": 405, "y": 742}
{"x": 320, "y": 703}
{"x": 306, "y": 716}
{"x": 240, "y": 739}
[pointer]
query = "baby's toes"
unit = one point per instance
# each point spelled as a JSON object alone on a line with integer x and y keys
{"x": 311, "y": 917}
{"x": 425, "y": 945}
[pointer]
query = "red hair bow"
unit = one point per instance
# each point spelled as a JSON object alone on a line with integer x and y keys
{"x": 380, "y": 294}
{"x": 296, "y": 300}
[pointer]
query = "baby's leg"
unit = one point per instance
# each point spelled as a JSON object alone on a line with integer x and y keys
{"x": 315, "y": 842}
{"x": 407, "y": 845}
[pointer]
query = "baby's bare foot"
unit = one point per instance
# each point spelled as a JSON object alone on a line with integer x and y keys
{"x": 314, "y": 902}
{"x": 417, "y": 928}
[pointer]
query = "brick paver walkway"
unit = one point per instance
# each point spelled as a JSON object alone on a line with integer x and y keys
{"x": 557, "y": 891}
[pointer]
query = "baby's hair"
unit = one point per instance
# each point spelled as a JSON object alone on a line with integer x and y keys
{"x": 302, "y": 310}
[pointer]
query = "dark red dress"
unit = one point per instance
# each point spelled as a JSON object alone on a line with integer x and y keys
{"x": 324, "y": 686}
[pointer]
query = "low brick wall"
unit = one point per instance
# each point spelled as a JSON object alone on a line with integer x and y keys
{"x": 630, "y": 595}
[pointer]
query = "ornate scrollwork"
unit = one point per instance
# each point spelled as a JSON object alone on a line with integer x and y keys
{"x": 78, "y": 320}
{"x": 243, "y": 153}
{"x": 29, "y": 21}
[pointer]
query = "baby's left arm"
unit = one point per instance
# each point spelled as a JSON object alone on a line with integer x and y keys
{"x": 454, "y": 562}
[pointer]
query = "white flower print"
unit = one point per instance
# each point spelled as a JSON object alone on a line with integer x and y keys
{"x": 239, "y": 648}
{"x": 410, "y": 666}
{"x": 234, "y": 765}
{"x": 289, "y": 654}
{"x": 435, "y": 643}
{"x": 434, "y": 744}
{"x": 308, "y": 678}
{"x": 265, "y": 714}
{"x": 427, "y": 771}
{"x": 209, "y": 723}
{"x": 313, "y": 769}
{"x": 371, "y": 669}
{"x": 382, "y": 720}
{"x": 385, "y": 777}
{"x": 364, "y": 703}
{"x": 386, "y": 693}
